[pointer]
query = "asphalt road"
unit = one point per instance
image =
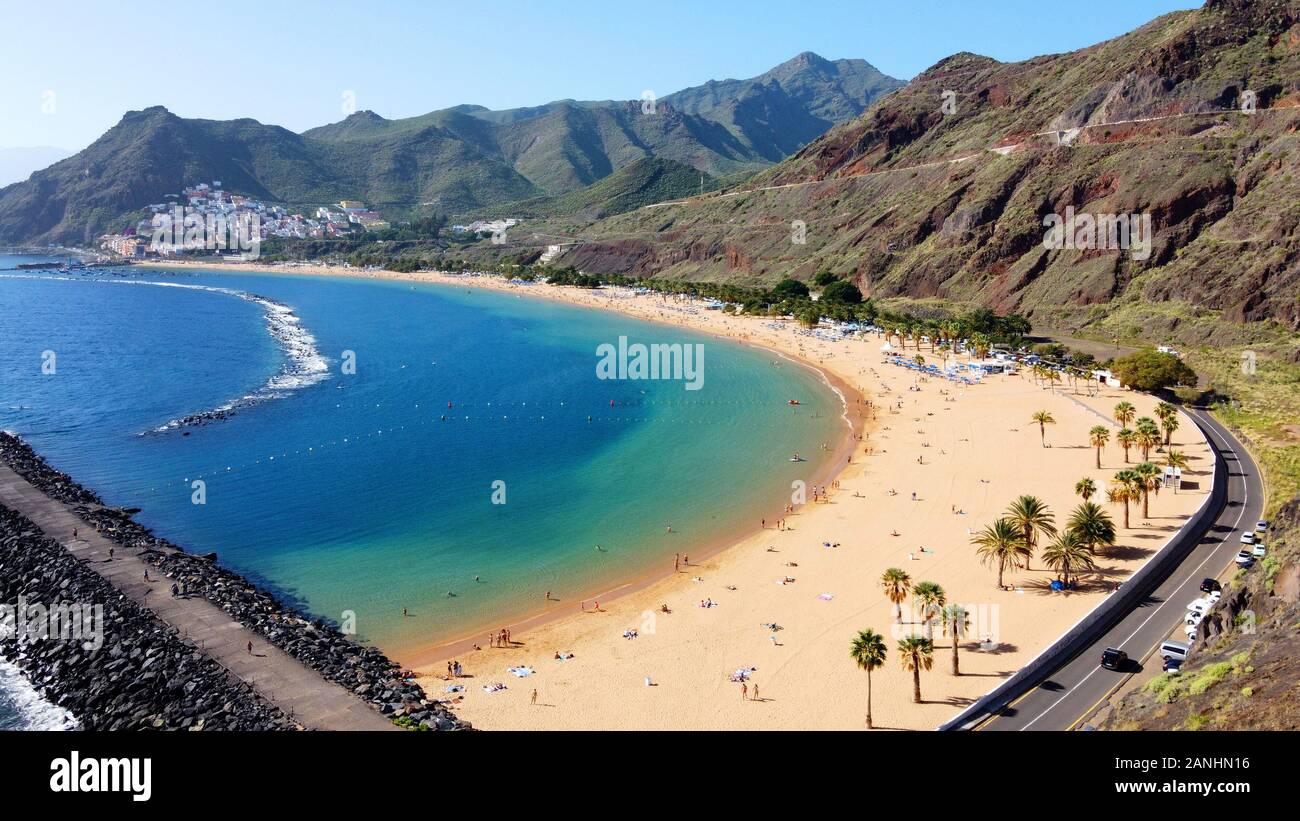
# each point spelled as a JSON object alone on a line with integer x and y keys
{"x": 1073, "y": 691}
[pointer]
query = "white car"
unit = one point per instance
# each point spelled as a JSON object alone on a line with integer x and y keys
{"x": 1245, "y": 559}
{"x": 1174, "y": 649}
{"x": 1261, "y": 526}
{"x": 1194, "y": 618}
{"x": 1248, "y": 537}
{"x": 1200, "y": 607}
{"x": 1190, "y": 631}
{"x": 1214, "y": 595}
{"x": 1259, "y": 551}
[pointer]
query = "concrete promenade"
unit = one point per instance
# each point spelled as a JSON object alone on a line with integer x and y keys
{"x": 278, "y": 677}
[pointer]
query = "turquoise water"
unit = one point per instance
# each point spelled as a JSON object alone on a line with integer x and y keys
{"x": 367, "y": 492}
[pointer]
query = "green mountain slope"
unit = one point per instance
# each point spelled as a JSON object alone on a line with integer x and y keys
{"x": 457, "y": 160}
{"x": 646, "y": 181}
{"x": 783, "y": 109}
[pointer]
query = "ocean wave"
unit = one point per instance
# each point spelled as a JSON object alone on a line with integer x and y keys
{"x": 22, "y": 708}
{"x": 304, "y": 364}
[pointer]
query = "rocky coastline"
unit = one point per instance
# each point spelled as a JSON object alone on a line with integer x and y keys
{"x": 365, "y": 671}
{"x": 142, "y": 677}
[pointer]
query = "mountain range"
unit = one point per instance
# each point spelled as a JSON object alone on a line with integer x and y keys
{"x": 454, "y": 160}
{"x": 940, "y": 190}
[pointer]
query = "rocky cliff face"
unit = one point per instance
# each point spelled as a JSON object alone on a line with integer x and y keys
{"x": 1244, "y": 671}
{"x": 941, "y": 189}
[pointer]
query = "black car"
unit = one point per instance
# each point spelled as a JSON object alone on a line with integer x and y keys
{"x": 1113, "y": 659}
{"x": 1210, "y": 585}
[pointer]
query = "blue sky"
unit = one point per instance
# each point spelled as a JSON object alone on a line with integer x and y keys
{"x": 69, "y": 70}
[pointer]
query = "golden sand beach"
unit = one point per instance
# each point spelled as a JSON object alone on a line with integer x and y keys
{"x": 939, "y": 461}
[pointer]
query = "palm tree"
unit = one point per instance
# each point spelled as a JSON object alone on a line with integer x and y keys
{"x": 868, "y": 652}
{"x": 929, "y": 597}
{"x": 1151, "y": 482}
{"x": 917, "y": 654}
{"x": 1033, "y": 518}
{"x": 1169, "y": 424}
{"x": 1127, "y": 438}
{"x": 1069, "y": 551}
{"x": 1148, "y": 436}
{"x": 1000, "y": 544}
{"x": 1124, "y": 489}
{"x": 1093, "y": 525}
{"x": 1164, "y": 409}
{"x": 1099, "y": 436}
{"x": 1085, "y": 487}
{"x": 981, "y": 343}
{"x": 1043, "y": 418}
{"x": 956, "y": 621}
{"x": 1124, "y": 413}
{"x": 896, "y": 583}
{"x": 1053, "y": 376}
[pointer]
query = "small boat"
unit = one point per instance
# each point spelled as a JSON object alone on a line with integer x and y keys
{"x": 793, "y": 402}
{"x": 797, "y": 458}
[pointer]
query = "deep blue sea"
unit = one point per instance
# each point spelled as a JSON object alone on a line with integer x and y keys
{"x": 368, "y": 492}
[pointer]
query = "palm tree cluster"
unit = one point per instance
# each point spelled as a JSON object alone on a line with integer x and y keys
{"x": 1010, "y": 541}
{"x": 1137, "y": 484}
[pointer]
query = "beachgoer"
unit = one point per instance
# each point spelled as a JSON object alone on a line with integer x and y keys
{"x": 534, "y": 699}
{"x": 250, "y": 648}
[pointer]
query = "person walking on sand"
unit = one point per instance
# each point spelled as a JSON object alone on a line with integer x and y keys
{"x": 110, "y": 554}
{"x": 534, "y": 698}
{"x": 756, "y": 691}
{"x": 250, "y": 648}
{"x": 744, "y": 691}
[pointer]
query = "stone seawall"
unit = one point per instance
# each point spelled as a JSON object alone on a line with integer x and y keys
{"x": 365, "y": 671}
{"x": 141, "y": 675}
